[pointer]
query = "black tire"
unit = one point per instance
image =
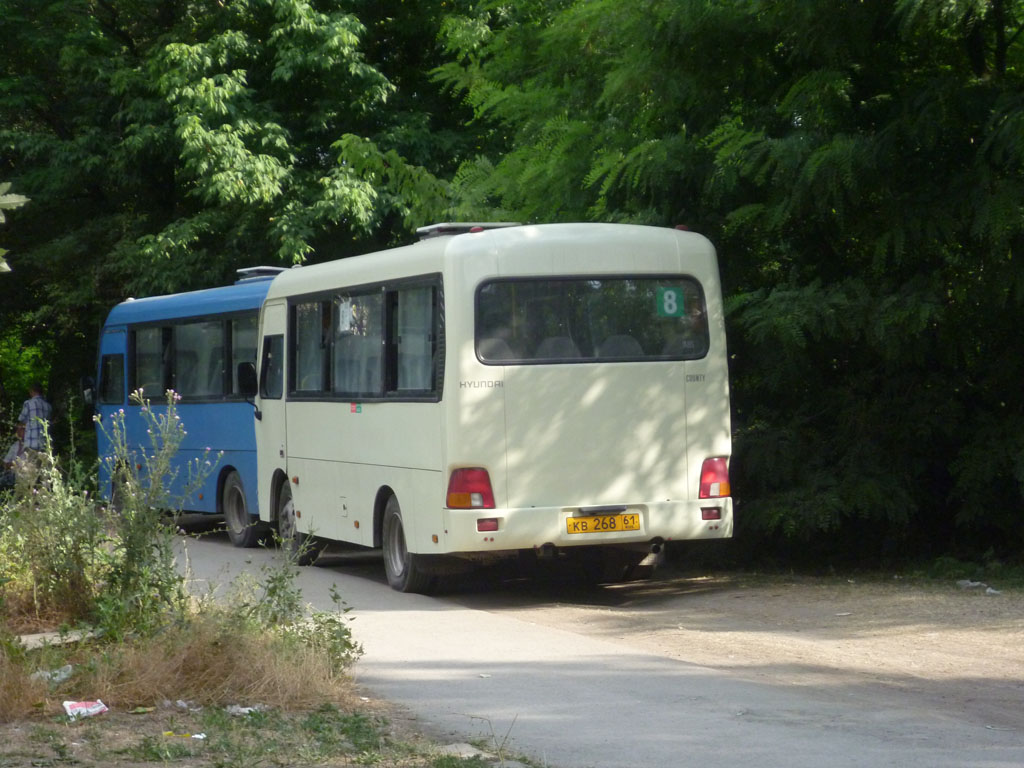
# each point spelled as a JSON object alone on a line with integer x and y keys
{"x": 402, "y": 567}
{"x": 118, "y": 480}
{"x": 302, "y": 548}
{"x": 243, "y": 528}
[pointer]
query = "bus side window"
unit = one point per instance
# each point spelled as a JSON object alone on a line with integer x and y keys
{"x": 356, "y": 347}
{"x": 272, "y": 368}
{"x": 243, "y": 347}
{"x": 415, "y": 339}
{"x": 308, "y": 329}
{"x": 150, "y": 374}
{"x": 198, "y": 358}
{"x": 112, "y": 379}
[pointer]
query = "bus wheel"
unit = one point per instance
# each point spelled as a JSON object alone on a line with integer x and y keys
{"x": 404, "y": 573}
{"x": 119, "y": 482}
{"x": 242, "y": 527}
{"x": 300, "y": 547}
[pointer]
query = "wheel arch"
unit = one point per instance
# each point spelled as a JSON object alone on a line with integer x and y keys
{"x": 379, "y": 503}
{"x": 222, "y": 478}
{"x": 277, "y": 482}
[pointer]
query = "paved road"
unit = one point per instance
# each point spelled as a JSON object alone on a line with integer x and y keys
{"x": 569, "y": 700}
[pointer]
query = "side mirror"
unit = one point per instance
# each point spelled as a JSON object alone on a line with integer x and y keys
{"x": 88, "y": 387}
{"x": 248, "y": 387}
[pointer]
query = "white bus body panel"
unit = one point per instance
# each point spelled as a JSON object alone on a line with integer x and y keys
{"x": 559, "y": 437}
{"x": 554, "y": 438}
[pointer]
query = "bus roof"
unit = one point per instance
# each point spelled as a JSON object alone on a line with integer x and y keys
{"x": 507, "y": 241}
{"x": 247, "y": 294}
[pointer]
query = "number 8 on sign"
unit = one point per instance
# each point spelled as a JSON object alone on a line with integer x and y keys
{"x": 670, "y": 302}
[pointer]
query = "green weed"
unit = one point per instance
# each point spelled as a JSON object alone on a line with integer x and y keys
{"x": 451, "y": 761}
{"x": 157, "y": 749}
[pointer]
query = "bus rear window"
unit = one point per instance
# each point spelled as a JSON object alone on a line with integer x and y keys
{"x": 591, "y": 319}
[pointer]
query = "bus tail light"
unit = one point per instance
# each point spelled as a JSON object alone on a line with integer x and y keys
{"x": 470, "y": 489}
{"x": 714, "y": 478}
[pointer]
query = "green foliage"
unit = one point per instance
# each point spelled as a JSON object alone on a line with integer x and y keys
{"x": 155, "y": 749}
{"x": 860, "y": 167}
{"x": 324, "y": 735}
{"x": 20, "y": 365}
{"x": 277, "y": 600}
{"x": 165, "y": 147}
{"x": 66, "y": 556}
{"x": 274, "y": 603}
{"x": 8, "y": 201}
{"x": 141, "y": 589}
{"x": 329, "y": 633}
{"x": 52, "y": 543}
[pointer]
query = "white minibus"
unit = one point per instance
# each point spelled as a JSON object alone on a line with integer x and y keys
{"x": 497, "y": 391}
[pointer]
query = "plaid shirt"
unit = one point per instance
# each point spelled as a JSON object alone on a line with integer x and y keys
{"x": 33, "y": 413}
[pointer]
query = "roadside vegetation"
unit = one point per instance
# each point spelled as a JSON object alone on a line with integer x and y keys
{"x": 253, "y": 678}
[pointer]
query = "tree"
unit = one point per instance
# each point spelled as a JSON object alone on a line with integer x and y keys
{"x": 8, "y": 201}
{"x": 859, "y": 165}
{"x": 166, "y": 145}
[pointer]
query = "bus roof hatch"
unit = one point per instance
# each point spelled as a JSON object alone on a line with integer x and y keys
{"x": 461, "y": 227}
{"x": 257, "y": 273}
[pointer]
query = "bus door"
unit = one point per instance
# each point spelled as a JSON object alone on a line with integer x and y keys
{"x": 271, "y": 447}
{"x": 111, "y": 395}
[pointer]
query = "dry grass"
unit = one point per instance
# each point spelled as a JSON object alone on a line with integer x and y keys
{"x": 214, "y": 660}
{"x": 211, "y": 662}
{"x": 19, "y": 693}
{"x": 23, "y": 617}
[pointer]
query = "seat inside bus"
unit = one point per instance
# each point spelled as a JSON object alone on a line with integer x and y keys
{"x": 620, "y": 345}
{"x": 557, "y": 347}
{"x": 493, "y": 348}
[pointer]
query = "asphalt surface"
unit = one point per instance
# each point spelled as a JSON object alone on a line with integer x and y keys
{"x": 569, "y": 700}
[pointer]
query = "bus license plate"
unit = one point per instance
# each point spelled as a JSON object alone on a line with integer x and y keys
{"x": 602, "y": 523}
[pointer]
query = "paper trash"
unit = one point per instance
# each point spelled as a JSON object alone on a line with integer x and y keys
{"x": 77, "y": 709}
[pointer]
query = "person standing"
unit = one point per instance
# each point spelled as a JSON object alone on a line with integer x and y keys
{"x": 35, "y": 415}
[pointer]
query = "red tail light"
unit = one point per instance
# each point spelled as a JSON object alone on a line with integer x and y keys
{"x": 714, "y": 478}
{"x": 470, "y": 489}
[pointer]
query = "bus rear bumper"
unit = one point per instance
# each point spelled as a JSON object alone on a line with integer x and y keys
{"x": 502, "y": 530}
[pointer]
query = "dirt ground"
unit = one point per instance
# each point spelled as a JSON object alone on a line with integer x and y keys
{"x": 924, "y": 644}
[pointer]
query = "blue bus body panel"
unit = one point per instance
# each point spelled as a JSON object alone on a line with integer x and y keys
{"x": 212, "y": 427}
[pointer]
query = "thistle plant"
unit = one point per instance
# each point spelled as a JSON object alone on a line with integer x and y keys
{"x": 143, "y": 588}
{"x": 67, "y": 557}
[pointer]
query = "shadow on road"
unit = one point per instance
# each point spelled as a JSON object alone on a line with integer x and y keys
{"x": 504, "y": 585}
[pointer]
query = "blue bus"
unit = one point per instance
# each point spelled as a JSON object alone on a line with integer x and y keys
{"x": 191, "y": 343}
